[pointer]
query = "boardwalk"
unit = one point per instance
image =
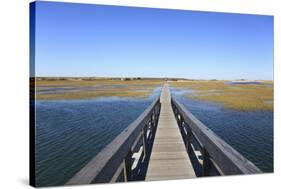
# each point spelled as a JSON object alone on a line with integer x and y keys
{"x": 152, "y": 148}
{"x": 169, "y": 159}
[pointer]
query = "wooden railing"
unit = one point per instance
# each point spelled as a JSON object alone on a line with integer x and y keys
{"x": 115, "y": 161}
{"x": 212, "y": 154}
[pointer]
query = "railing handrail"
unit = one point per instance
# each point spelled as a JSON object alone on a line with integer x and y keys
{"x": 227, "y": 158}
{"x": 105, "y": 164}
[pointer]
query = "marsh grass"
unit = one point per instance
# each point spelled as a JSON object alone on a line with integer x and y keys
{"x": 60, "y": 83}
{"x": 238, "y": 97}
{"x": 91, "y": 94}
{"x": 105, "y": 88}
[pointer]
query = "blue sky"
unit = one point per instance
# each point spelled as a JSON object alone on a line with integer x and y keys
{"x": 93, "y": 40}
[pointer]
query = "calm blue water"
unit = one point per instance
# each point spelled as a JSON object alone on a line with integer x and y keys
{"x": 69, "y": 133}
{"x": 250, "y": 133}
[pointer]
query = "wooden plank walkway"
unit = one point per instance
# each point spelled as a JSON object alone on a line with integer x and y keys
{"x": 169, "y": 159}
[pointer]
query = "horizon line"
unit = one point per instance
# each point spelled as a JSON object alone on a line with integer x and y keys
{"x": 146, "y": 77}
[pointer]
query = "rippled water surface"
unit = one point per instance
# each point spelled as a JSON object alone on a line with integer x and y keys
{"x": 251, "y": 133}
{"x": 69, "y": 133}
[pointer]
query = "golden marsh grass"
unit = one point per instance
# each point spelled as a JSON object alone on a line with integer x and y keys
{"x": 238, "y": 97}
{"x": 105, "y": 88}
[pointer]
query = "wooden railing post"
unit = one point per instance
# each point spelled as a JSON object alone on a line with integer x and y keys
{"x": 180, "y": 123}
{"x": 152, "y": 125}
{"x": 144, "y": 140}
{"x": 188, "y": 141}
{"x": 155, "y": 116}
{"x": 128, "y": 166}
{"x": 178, "y": 119}
{"x": 151, "y": 119}
{"x": 206, "y": 162}
{"x": 157, "y": 112}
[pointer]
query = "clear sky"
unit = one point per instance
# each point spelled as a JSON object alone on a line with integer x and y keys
{"x": 92, "y": 40}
